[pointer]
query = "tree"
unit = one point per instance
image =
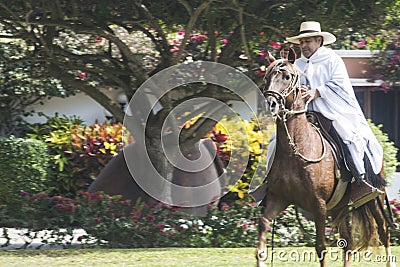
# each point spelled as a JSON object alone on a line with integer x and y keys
{"x": 89, "y": 45}
{"x": 22, "y": 84}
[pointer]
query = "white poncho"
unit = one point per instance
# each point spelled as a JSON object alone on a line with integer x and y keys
{"x": 326, "y": 71}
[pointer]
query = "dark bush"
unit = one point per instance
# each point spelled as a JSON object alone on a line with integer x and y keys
{"x": 23, "y": 167}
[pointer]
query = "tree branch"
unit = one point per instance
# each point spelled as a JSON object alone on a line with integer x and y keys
{"x": 97, "y": 95}
{"x": 187, "y": 7}
{"x": 190, "y": 25}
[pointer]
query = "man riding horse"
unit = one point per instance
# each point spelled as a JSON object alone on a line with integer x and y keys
{"x": 327, "y": 89}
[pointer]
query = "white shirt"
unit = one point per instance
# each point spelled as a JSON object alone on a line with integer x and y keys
{"x": 326, "y": 71}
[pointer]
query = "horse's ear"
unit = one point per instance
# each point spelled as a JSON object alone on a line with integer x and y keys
{"x": 271, "y": 58}
{"x": 292, "y": 56}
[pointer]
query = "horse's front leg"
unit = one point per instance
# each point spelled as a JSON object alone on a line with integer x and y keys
{"x": 320, "y": 217}
{"x": 274, "y": 205}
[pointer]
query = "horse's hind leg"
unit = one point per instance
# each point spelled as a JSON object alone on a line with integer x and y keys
{"x": 383, "y": 229}
{"x": 274, "y": 205}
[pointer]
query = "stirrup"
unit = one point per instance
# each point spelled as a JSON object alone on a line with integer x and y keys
{"x": 363, "y": 193}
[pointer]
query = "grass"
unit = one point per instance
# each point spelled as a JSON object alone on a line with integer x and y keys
{"x": 171, "y": 257}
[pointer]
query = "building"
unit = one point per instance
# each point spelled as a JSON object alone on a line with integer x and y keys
{"x": 379, "y": 106}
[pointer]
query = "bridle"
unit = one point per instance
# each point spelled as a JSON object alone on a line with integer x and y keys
{"x": 292, "y": 87}
{"x": 285, "y": 113}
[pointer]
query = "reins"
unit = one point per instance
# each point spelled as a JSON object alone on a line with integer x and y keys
{"x": 293, "y": 88}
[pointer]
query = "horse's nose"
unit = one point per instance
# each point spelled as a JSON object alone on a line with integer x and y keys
{"x": 271, "y": 104}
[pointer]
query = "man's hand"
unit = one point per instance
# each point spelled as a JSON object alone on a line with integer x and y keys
{"x": 310, "y": 95}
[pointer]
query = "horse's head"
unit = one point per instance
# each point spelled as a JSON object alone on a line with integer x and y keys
{"x": 282, "y": 85}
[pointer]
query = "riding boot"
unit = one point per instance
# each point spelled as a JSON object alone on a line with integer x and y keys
{"x": 362, "y": 192}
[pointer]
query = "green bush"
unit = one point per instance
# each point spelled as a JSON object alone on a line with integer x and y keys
{"x": 112, "y": 222}
{"x": 23, "y": 167}
{"x": 390, "y": 161}
{"x": 78, "y": 152}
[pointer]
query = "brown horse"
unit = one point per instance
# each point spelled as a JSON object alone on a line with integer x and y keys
{"x": 303, "y": 173}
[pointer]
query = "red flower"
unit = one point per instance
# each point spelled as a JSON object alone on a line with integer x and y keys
{"x": 82, "y": 76}
{"x": 275, "y": 45}
{"x": 161, "y": 227}
{"x": 219, "y": 137}
{"x": 260, "y": 72}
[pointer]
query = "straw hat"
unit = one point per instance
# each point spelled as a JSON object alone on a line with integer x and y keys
{"x": 309, "y": 29}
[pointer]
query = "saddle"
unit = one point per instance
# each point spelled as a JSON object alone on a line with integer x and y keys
{"x": 362, "y": 191}
{"x": 343, "y": 160}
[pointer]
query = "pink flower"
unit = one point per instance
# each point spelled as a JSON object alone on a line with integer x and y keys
{"x": 361, "y": 44}
{"x": 224, "y": 41}
{"x": 151, "y": 218}
{"x": 24, "y": 194}
{"x": 200, "y": 38}
{"x": 224, "y": 206}
{"x": 57, "y": 198}
{"x": 72, "y": 207}
{"x": 275, "y": 45}
{"x": 161, "y": 227}
{"x": 82, "y": 76}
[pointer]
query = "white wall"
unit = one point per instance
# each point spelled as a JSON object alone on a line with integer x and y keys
{"x": 89, "y": 110}
{"x": 80, "y": 105}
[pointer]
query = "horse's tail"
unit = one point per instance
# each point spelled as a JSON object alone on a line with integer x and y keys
{"x": 364, "y": 229}
{"x": 360, "y": 226}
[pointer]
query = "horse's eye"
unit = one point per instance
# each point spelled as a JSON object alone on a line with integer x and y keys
{"x": 287, "y": 77}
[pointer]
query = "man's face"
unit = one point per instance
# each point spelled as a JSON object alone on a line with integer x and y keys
{"x": 309, "y": 45}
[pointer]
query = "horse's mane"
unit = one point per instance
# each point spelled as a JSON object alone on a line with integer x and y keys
{"x": 276, "y": 65}
{"x": 279, "y": 65}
